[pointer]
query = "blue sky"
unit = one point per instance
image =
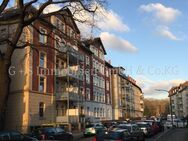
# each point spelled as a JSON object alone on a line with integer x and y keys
{"x": 159, "y": 32}
{"x": 149, "y": 38}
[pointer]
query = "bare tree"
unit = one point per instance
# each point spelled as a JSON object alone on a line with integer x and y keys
{"x": 22, "y": 15}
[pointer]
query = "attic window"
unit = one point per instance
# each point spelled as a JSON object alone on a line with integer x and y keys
{"x": 68, "y": 31}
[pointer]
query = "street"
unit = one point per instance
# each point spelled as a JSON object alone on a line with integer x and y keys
{"x": 85, "y": 139}
{"x": 172, "y": 135}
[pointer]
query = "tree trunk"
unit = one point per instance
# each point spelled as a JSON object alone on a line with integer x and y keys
{"x": 4, "y": 88}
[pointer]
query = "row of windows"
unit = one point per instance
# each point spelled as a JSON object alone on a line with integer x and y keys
{"x": 99, "y": 81}
{"x": 98, "y": 97}
{"x": 99, "y": 67}
{"x": 97, "y": 52}
{"x": 63, "y": 28}
{"x": 99, "y": 112}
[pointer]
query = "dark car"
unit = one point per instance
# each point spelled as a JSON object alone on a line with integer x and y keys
{"x": 15, "y": 136}
{"x": 115, "y": 135}
{"x": 52, "y": 133}
{"x": 134, "y": 130}
{"x": 146, "y": 128}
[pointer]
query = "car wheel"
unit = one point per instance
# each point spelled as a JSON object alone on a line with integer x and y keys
{"x": 143, "y": 138}
{"x": 71, "y": 138}
{"x": 51, "y": 138}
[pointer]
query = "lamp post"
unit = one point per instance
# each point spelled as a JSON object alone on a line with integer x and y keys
{"x": 161, "y": 90}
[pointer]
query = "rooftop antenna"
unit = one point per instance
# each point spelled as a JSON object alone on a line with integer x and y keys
{"x": 92, "y": 25}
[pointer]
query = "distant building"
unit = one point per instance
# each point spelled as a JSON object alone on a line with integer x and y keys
{"x": 179, "y": 99}
{"x": 127, "y": 101}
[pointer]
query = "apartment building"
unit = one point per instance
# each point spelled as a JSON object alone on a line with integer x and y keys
{"x": 48, "y": 91}
{"x": 62, "y": 80}
{"x": 99, "y": 101}
{"x": 127, "y": 99}
{"x": 179, "y": 99}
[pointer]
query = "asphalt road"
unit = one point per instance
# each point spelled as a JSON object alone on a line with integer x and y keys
{"x": 174, "y": 135}
{"x": 85, "y": 139}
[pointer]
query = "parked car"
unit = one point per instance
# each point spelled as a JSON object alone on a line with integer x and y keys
{"x": 115, "y": 135}
{"x": 149, "y": 121}
{"x": 176, "y": 123}
{"x": 134, "y": 130}
{"x": 52, "y": 133}
{"x": 155, "y": 128}
{"x": 15, "y": 136}
{"x": 168, "y": 124}
{"x": 93, "y": 129}
{"x": 146, "y": 128}
{"x": 160, "y": 125}
{"x": 179, "y": 123}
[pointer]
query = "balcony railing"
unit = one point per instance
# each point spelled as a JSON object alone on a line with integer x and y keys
{"x": 72, "y": 95}
{"x": 67, "y": 119}
{"x": 65, "y": 48}
{"x": 71, "y": 71}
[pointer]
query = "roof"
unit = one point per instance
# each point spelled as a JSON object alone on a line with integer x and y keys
{"x": 100, "y": 41}
{"x": 174, "y": 90}
{"x": 108, "y": 64}
{"x": 85, "y": 48}
{"x": 95, "y": 41}
{"x": 13, "y": 13}
{"x": 71, "y": 17}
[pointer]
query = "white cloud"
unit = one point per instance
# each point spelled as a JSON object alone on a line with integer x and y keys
{"x": 165, "y": 32}
{"x": 149, "y": 86}
{"x": 110, "y": 21}
{"x": 52, "y": 8}
{"x": 162, "y": 13}
{"x": 104, "y": 20}
{"x": 112, "y": 41}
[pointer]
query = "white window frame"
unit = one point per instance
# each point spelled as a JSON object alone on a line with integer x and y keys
{"x": 42, "y": 38}
{"x": 88, "y": 95}
{"x": 45, "y": 81}
{"x": 45, "y": 59}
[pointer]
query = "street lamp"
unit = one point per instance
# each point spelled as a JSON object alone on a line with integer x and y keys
{"x": 161, "y": 90}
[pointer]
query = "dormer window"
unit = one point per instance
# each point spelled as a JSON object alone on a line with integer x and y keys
{"x": 68, "y": 31}
{"x": 63, "y": 27}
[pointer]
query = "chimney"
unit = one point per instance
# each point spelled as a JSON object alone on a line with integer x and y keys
{"x": 109, "y": 61}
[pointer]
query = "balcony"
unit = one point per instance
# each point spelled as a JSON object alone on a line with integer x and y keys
{"x": 71, "y": 72}
{"x": 67, "y": 96}
{"x": 71, "y": 94}
{"x": 72, "y": 118}
{"x": 81, "y": 58}
{"x": 66, "y": 48}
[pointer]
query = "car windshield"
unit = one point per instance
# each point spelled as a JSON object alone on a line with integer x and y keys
{"x": 143, "y": 125}
{"x": 50, "y": 130}
{"x": 59, "y": 130}
{"x": 125, "y": 127}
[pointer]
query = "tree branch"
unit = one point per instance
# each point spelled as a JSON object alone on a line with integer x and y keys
{"x": 3, "y": 5}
